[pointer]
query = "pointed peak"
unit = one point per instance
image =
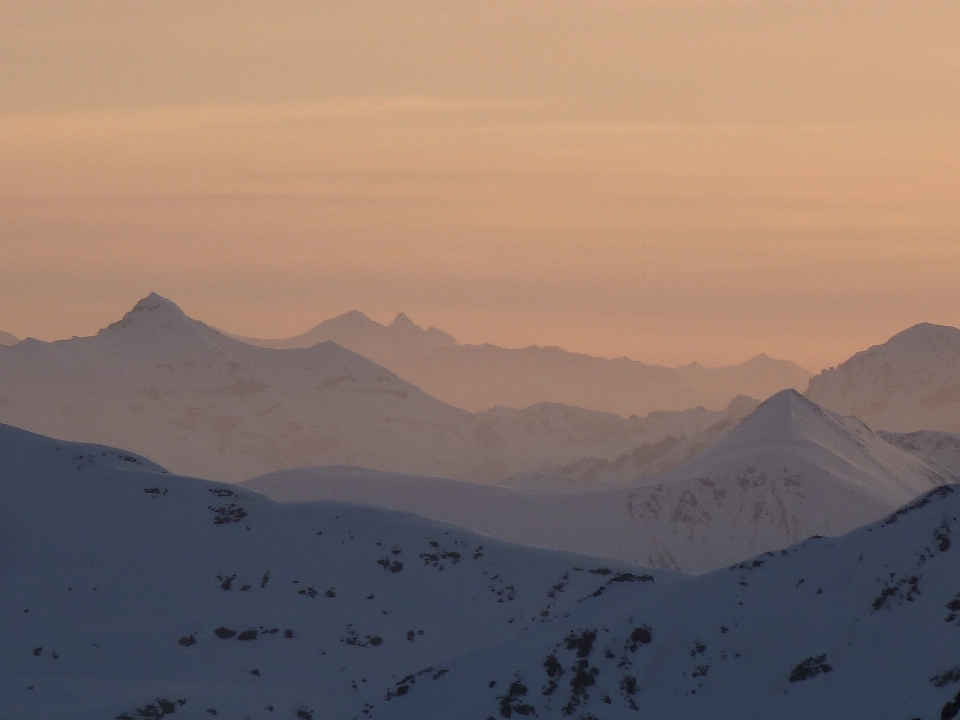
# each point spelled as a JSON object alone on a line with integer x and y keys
{"x": 785, "y": 399}
{"x": 155, "y": 307}
{"x": 402, "y": 322}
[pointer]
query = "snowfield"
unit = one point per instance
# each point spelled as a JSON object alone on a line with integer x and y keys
{"x": 128, "y": 592}
{"x": 909, "y": 383}
{"x": 789, "y": 471}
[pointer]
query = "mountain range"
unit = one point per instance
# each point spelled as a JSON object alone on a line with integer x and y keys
{"x": 200, "y": 403}
{"x": 478, "y": 377}
{"x": 128, "y": 592}
{"x": 789, "y": 471}
{"x": 7, "y": 339}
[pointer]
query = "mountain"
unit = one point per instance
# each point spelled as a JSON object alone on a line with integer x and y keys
{"x": 200, "y": 403}
{"x": 787, "y": 472}
{"x": 478, "y": 377}
{"x": 911, "y": 382}
{"x": 7, "y": 339}
{"x": 651, "y": 459}
{"x": 863, "y": 626}
{"x": 128, "y": 592}
{"x": 937, "y": 449}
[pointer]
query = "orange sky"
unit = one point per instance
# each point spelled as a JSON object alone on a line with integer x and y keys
{"x": 673, "y": 181}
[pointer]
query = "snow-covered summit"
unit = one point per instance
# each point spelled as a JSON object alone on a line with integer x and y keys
{"x": 911, "y": 382}
{"x": 202, "y": 403}
{"x": 787, "y": 472}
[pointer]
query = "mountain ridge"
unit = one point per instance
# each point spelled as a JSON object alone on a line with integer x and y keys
{"x": 909, "y": 383}
{"x": 478, "y": 377}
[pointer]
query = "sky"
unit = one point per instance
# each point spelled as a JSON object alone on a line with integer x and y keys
{"x": 671, "y": 181}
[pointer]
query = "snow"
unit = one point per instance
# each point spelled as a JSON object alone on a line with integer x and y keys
{"x": 909, "y": 383}
{"x": 789, "y": 471}
{"x": 116, "y": 576}
{"x": 126, "y": 591}
{"x": 200, "y": 403}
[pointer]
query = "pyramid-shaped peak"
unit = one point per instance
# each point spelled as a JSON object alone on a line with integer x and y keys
{"x": 405, "y": 324}
{"x": 784, "y": 413}
{"x": 150, "y": 311}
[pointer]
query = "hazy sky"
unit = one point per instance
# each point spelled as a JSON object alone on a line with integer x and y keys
{"x": 672, "y": 181}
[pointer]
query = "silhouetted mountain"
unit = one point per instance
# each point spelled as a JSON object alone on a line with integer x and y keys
{"x": 477, "y": 377}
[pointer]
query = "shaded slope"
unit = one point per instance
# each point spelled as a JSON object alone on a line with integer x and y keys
{"x": 123, "y": 586}
{"x": 863, "y": 626}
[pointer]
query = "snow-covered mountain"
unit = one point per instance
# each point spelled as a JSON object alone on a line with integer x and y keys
{"x": 864, "y": 626}
{"x": 658, "y": 456}
{"x": 204, "y": 404}
{"x": 478, "y": 377}
{"x": 937, "y": 449}
{"x": 911, "y": 382}
{"x": 789, "y": 471}
{"x": 127, "y": 592}
{"x": 7, "y": 339}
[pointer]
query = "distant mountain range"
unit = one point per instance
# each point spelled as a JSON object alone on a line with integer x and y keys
{"x": 204, "y": 404}
{"x": 128, "y": 592}
{"x": 478, "y": 377}
{"x": 7, "y": 339}
{"x": 789, "y": 471}
{"x": 911, "y": 382}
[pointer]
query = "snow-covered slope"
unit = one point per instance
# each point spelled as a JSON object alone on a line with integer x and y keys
{"x": 911, "y": 382}
{"x": 864, "y": 626}
{"x": 204, "y": 404}
{"x": 787, "y": 472}
{"x": 478, "y": 377}
{"x": 124, "y": 587}
{"x": 7, "y": 339}
{"x": 937, "y": 449}
{"x": 657, "y": 456}
{"x": 127, "y": 592}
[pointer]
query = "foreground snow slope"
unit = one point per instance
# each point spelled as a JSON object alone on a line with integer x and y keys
{"x": 127, "y": 592}
{"x": 478, "y": 377}
{"x": 123, "y": 586}
{"x": 201, "y": 403}
{"x": 863, "y": 626}
{"x": 787, "y": 472}
{"x": 911, "y": 382}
